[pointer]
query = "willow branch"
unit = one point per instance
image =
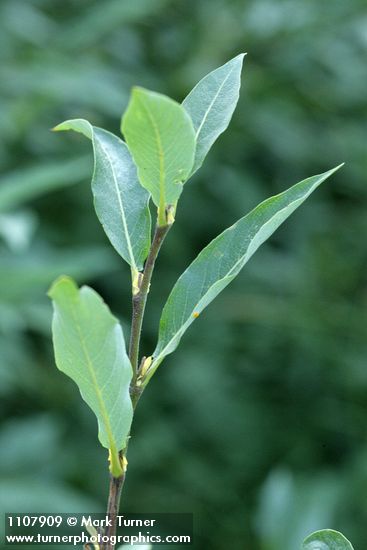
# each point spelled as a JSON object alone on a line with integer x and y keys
{"x": 138, "y": 308}
{"x": 140, "y": 299}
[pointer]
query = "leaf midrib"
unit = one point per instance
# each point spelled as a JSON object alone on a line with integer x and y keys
{"x": 122, "y": 210}
{"x": 162, "y": 197}
{"x": 227, "y": 276}
{"x": 212, "y": 103}
{"x": 92, "y": 373}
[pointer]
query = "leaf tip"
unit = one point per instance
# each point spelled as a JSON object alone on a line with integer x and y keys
{"x": 238, "y": 59}
{"x": 137, "y": 91}
{"x": 335, "y": 169}
{"x": 61, "y": 282}
{"x": 79, "y": 125}
{"x": 57, "y": 128}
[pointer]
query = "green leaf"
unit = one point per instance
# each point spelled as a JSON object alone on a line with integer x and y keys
{"x": 161, "y": 138}
{"x": 327, "y": 539}
{"x": 25, "y": 184}
{"x": 121, "y": 203}
{"x": 90, "y": 348}
{"x": 219, "y": 263}
{"x": 211, "y": 104}
{"x": 44, "y": 265}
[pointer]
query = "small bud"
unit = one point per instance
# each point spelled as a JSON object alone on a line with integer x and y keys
{"x": 145, "y": 366}
{"x": 115, "y": 467}
{"x": 137, "y": 279}
{"x": 170, "y": 214}
{"x": 124, "y": 463}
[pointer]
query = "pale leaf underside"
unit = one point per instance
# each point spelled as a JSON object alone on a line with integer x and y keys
{"x": 120, "y": 201}
{"x": 211, "y": 104}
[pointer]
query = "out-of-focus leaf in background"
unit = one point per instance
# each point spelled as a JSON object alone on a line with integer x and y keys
{"x": 272, "y": 384}
{"x": 326, "y": 539}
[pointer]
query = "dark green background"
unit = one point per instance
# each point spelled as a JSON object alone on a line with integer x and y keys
{"x": 258, "y": 423}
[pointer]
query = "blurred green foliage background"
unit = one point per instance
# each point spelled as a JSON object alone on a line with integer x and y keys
{"x": 258, "y": 423}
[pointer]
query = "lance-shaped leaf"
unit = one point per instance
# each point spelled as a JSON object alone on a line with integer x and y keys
{"x": 121, "y": 203}
{"x": 219, "y": 263}
{"x": 90, "y": 348}
{"x": 161, "y": 139}
{"x": 211, "y": 104}
{"x": 327, "y": 539}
